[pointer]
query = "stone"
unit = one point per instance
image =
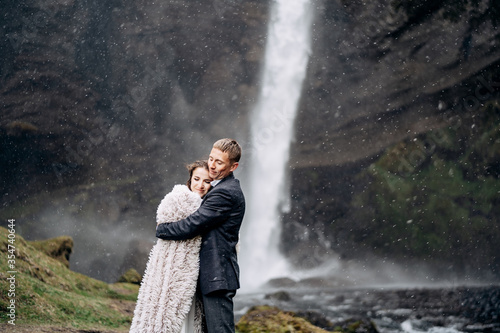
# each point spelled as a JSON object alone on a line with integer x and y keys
{"x": 131, "y": 276}
{"x": 279, "y": 296}
{"x": 272, "y": 319}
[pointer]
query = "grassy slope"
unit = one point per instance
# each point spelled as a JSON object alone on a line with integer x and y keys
{"x": 47, "y": 292}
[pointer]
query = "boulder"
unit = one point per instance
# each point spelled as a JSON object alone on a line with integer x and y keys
{"x": 271, "y": 319}
{"x": 131, "y": 276}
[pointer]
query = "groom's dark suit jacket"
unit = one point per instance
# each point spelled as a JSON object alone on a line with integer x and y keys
{"x": 218, "y": 220}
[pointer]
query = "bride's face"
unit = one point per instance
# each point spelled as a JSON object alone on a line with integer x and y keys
{"x": 200, "y": 181}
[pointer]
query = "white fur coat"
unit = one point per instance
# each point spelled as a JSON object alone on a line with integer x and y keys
{"x": 169, "y": 283}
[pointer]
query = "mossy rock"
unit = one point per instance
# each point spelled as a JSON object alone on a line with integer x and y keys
{"x": 59, "y": 248}
{"x": 131, "y": 276}
{"x": 263, "y": 319}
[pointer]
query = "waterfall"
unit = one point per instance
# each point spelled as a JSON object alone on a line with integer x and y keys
{"x": 286, "y": 58}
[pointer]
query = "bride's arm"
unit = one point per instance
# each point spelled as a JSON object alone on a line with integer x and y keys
{"x": 215, "y": 210}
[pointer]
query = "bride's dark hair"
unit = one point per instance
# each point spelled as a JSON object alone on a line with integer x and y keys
{"x": 193, "y": 166}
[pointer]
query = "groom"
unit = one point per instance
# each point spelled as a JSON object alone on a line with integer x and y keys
{"x": 218, "y": 220}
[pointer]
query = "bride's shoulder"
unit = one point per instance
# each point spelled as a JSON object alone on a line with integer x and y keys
{"x": 181, "y": 188}
{"x": 177, "y": 204}
{"x": 181, "y": 192}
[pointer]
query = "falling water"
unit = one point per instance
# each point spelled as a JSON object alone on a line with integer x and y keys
{"x": 286, "y": 58}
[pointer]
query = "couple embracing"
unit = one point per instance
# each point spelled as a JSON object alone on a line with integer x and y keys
{"x": 192, "y": 273}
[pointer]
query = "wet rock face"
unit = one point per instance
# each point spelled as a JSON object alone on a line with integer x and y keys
{"x": 120, "y": 95}
{"x": 379, "y": 75}
{"x": 85, "y": 81}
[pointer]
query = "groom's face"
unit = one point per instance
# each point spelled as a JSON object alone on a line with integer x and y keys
{"x": 219, "y": 165}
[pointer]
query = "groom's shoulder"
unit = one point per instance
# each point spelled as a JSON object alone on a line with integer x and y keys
{"x": 230, "y": 183}
{"x": 227, "y": 189}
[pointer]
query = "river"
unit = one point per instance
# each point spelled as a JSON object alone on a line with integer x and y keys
{"x": 391, "y": 309}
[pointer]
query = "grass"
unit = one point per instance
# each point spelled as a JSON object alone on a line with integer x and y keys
{"x": 46, "y": 291}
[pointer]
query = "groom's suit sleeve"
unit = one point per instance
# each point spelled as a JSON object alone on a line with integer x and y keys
{"x": 214, "y": 210}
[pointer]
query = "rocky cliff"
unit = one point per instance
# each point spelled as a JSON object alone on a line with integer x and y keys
{"x": 380, "y": 73}
{"x": 421, "y": 79}
{"x": 104, "y": 102}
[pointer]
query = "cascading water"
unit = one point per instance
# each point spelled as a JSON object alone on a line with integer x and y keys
{"x": 286, "y": 58}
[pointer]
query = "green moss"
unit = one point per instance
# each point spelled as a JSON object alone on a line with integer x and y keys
{"x": 421, "y": 200}
{"x": 263, "y": 319}
{"x": 131, "y": 276}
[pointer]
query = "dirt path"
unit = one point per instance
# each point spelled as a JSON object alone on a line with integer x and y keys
{"x": 49, "y": 329}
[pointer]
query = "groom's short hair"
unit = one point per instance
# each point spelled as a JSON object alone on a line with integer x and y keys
{"x": 231, "y": 147}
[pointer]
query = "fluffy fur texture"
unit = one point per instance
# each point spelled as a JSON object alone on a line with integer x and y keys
{"x": 169, "y": 283}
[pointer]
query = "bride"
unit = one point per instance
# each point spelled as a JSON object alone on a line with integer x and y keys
{"x": 166, "y": 300}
